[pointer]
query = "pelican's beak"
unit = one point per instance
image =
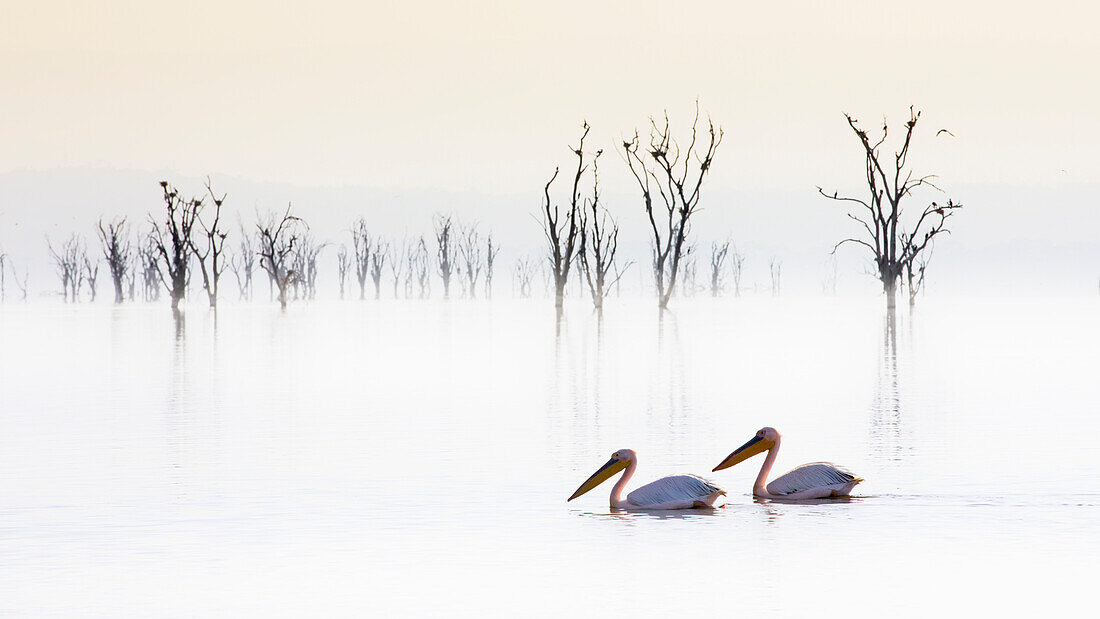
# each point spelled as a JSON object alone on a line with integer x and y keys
{"x": 746, "y": 451}
{"x": 614, "y": 465}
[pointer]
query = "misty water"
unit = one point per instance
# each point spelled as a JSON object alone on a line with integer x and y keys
{"x": 415, "y": 458}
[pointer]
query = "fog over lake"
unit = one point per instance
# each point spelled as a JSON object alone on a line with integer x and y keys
{"x": 402, "y": 457}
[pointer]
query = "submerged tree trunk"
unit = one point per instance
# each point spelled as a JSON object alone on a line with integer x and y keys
{"x": 889, "y": 286}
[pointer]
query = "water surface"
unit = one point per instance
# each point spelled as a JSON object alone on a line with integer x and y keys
{"x": 414, "y": 458}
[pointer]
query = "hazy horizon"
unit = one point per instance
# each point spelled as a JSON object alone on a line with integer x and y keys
{"x": 353, "y": 110}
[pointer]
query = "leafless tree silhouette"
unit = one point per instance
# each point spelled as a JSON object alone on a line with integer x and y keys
{"x": 776, "y": 269}
{"x": 491, "y": 252}
{"x": 150, "y": 273}
{"x": 420, "y": 263}
{"x": 397, "y": 262}
{"x": 563, "y": 232}
{"x": 445, "y": 250}
{"x": 305, "y": 265}
{"x": 718, "y": 254}
{"x": 91, "y": 272}
{"x": 599, "y": 242}
{"x": 243, "y": 262}
{"x": 737, "y": 268}
{"x": 213, "y": 245}
{"x": 172, "y": 240}
{"x": 278, "y": 237}
{"x": 893, "y": 246}
{"x": 361, "y": 242}
{"x": 469, "y": 250}
{"x": 378, "y": 254}
{"x": 412, "y": 249}
{"x": 676, "y": 177}
{"x": 525, "y": 270}
{"x": 70, "y": 268}
{"x": 343, "y": 265}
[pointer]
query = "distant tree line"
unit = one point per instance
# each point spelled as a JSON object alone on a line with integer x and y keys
{"x": 188, "y": 235}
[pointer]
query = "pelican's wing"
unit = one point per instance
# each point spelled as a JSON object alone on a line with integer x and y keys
{"x": 813, "y": 475}
{"x": 673, "y": 488}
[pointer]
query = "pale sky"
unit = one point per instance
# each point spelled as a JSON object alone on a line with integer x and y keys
{"x": 486, "y": 94}
{"x": 484, "y": 97}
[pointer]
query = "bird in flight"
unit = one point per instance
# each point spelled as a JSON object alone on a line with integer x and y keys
{"x": 944, "y": 131}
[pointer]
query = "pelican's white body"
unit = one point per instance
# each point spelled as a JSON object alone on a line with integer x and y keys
{"x": 672, "y": 492}
{"x": 817, "y": 480}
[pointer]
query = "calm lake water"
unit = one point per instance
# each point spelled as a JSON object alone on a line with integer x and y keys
{"x": 413, "y": 458}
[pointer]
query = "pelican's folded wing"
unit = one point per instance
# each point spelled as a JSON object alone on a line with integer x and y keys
{"x": 813, "y": 475}
{"x": 672, "y": 489}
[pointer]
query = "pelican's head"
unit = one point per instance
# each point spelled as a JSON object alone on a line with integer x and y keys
{"x": 764, "y": 440}
{"x": 619, "y": 461}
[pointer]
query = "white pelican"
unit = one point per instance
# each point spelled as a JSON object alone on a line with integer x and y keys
{"x": 816, "y": 480}
{"x": 673, "y": 492}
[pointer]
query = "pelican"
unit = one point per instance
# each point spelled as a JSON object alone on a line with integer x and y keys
{"x": 816, "y": 480}
{"x": 672, "y": 492}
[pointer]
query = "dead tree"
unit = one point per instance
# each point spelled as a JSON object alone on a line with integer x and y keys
{"x": 171, "y": 239}
{"x": 243, "y": 262}
{"x": 676, "y": 177}
{"x": 397, "y": 263}
{"x": 737, "y": 268}
{"x": 599, "y": 242}
{"x": 362, "y": 244}
{"x": 563, "y": 232}
{"x": 410, "y": 276}
{"x": 491, "y": 252}
{"x": 420, "y": 264}
{"x": 469, "y": 250}
{"x": 91, "y": 272}
{"x": 278, "y": 238}
{"x": 378, "y": 254}
{"x": 718, "y": 254}
{"x": 150, "y": 273}
{"x": 893, "y": 246}
{"x": 213, "y": 246}
{"x": 776, "y": 269}
{"x": 445, "y": 250}
{"x": 525, "y": 270}
{"x": 305, "y": 265}
{"x": 343, "y": 264}
{"x": 70, "y": 269}
{"x": 3, "y": 259}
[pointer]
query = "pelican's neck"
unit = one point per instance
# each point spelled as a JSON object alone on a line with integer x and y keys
{"x": 760, "y": 487}
{"x": 617, "y": 489}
